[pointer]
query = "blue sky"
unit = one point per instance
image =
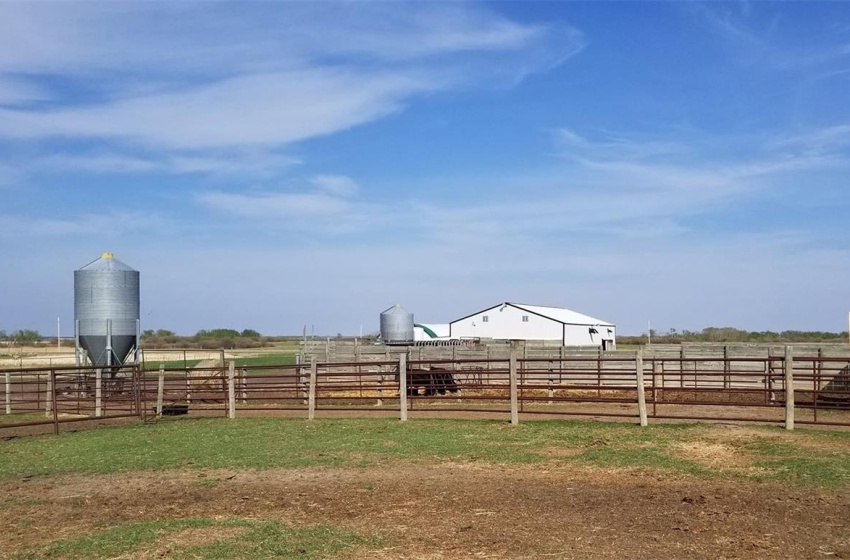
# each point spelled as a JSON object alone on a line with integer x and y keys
{"x": 271, "y": 165}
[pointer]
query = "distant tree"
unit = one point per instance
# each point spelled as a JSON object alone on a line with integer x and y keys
{"x": 3, "y": 335}
{"x": 250, "y": 333}
{"x": 25, "y": 336}
{"x": 217, "y": 333}
{"x": 164, "y": 333}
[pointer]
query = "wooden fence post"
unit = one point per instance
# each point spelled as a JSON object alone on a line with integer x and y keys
{"x": 188, "y": 389}
{"x": 98, "y": 393}
{"x": 380, "y": 390}
{"x": 641, "y": 393}
{"x": 8, "y": 392}
{"x": 402, "y": 386}
{"x": 789, "y": 388}
{"x": 512, "y": 371}
{"x": 52, "y": 401}
{"x": 311, "y": 390}
{"x": 727, "y": 367}
{"x": 231, "y": 389}
{"x": 243, "y": 384}
{"x": 49, "y": 396}
{"x": 160, "y": 390}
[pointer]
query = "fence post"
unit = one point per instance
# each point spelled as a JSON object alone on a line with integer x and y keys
{"x": 50, "y": 396}
{"x": 402, "y": 386}
{"x": 160, "y": 390}
{"x": 311, "y": 390}
{"x": 243, "y": 384}
{"x": 52, "y": 402}
{"x": 512, "y": 371}
{"x": 789, "y": 388}
{"x": 231, "y": 389}
{"x": 380, "y": 390}
{"x": 300, "y": 376}
{"x": 641, "y": 393}
{"x": 727, "y": 367}
{"x": 188, "y": 388}
{"x": 98, "y": 393}
{"x": 8, "y": 392}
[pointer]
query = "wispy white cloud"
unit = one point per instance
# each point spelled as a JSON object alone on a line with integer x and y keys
{"x": 15, "y": 91}
{"x": 328, "y": 206}
{"x": 217, "y": 162}
{"x": 761, "y": 38}
{"x": 615, "y": 146}
{"x": 246, "y": 110}
{"x": 81, "y": 37}
{"x": 825, "y": 141}
{"x": 107, "y": 224}
{"x": 201, "y": 80}
{"x": 335, "y": 185}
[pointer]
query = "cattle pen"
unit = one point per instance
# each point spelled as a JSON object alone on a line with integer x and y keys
{"x": 799, "y": 386}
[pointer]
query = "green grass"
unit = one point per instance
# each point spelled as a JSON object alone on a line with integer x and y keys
{"x": 277, "y": 359}
{"x": 360, "y": 443}
{"x": 21, "y": 417}
{"x": 253, "y": 539}
{"x": 788, "y": 462}
{"x": 267, "y": 360}
{"x": 171, "y": 364}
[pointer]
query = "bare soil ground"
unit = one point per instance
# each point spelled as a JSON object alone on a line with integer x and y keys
{"x": 458, "y": 510}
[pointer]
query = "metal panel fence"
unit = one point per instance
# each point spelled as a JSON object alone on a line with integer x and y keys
{"x": 37, "y": 396}
{"x": 808, "y": 389}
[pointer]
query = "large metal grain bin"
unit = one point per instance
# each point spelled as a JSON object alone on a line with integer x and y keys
{"x": 397, "y": 325}
{"x": 106, "y": 310}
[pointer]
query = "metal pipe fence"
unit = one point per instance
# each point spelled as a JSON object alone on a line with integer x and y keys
{"x": 751, "y": 389}
{"x": 45, "y": 396}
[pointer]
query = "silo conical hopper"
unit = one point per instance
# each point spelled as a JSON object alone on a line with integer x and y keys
{"x": 106, "y": 310}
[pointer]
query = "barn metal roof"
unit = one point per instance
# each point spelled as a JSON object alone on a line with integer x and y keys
{"x": 559, "y": 314}
{"x": 562, "y": 315}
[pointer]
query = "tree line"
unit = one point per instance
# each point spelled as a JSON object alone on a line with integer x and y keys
{"x": 249, "y": 338}
{"x": 206, "y": 339}
{"x": 22, "y": 336}
{"x": 731, "y": 335}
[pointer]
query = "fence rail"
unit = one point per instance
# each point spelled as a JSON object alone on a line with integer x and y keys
{"x": 806, "y": 389}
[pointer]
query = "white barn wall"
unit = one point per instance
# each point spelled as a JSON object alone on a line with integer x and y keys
{"x": 580, "y": 335}
{"x": 507, "y": 324}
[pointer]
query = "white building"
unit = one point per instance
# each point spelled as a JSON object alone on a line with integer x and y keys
{"x": 515, "y": 321}
{"x": 430, "y": 332}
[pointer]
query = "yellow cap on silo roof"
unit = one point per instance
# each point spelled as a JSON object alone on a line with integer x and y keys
{"x": 106, "y": 255}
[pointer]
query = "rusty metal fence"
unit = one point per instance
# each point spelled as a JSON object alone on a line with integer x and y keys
{"x": 793, "y": 388}
{"x": 39, "y": 396}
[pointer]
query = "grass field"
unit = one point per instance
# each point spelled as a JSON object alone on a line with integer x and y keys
{"x": 267, "y": 360}
{"x": 275, "y": 359}
{"x": 289, "y": 488}
{"x": 255, "y": 443}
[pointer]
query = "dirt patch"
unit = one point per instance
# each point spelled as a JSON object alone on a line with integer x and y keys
{"x": 197, "y": 536}
{"x": 738, "y": 436}
{"x": 457, "y": 510}
{"x": 713, "y": 455}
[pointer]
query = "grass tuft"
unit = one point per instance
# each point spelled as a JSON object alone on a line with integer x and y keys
{"x": 162, "y": 538}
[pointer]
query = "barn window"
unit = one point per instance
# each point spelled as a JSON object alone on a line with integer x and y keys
{"x": 485, "y": 318}
{"x": 525, "y": 318}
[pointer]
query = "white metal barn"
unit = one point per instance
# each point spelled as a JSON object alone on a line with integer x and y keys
{"x": 516, "y": 321}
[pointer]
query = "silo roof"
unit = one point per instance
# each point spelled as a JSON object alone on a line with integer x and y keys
{"x": 394, "y": 310}
{"x": 107, "y": 262}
